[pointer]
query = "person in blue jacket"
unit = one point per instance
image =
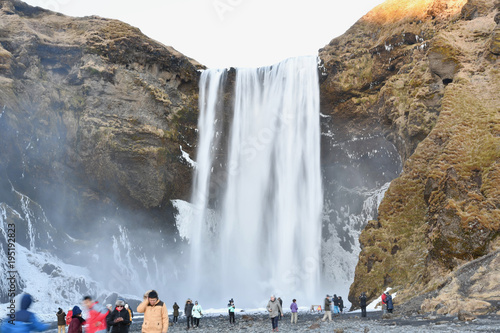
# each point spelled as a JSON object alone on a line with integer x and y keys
{"x": 25, "y": 321}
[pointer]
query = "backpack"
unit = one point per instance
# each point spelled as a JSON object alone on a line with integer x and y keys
{"x": 130, "y": 316}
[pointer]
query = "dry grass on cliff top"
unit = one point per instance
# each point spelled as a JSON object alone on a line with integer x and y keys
{"x": 393, "y": 11}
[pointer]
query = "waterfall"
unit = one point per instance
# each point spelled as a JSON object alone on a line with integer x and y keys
{"x": 256, "y": 228}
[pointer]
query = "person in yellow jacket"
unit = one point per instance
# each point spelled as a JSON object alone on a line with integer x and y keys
{"x": 155, "y": 314}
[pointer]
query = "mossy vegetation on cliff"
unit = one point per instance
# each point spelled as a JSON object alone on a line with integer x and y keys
{"x": 434, "y": 93}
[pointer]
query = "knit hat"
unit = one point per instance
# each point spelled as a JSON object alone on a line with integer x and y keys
{"x": 76, "y": 310}
{"x": 153, "y": 294}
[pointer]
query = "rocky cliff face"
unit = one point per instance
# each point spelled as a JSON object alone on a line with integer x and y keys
{"x": 93, "y": 115}
{"x": 425, "y": 74}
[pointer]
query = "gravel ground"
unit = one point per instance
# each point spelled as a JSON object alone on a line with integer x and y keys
{"x": 341, "y": 324}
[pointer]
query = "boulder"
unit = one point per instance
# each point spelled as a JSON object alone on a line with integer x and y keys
{"x": 465, "y": 316}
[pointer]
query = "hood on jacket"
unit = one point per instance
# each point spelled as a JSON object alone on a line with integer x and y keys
{"x": 26, "y": 301}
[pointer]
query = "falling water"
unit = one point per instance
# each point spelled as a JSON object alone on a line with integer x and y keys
{"x": 261, "y": 234}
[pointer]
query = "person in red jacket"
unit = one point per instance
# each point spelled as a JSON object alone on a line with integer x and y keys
{"x": 384, "y": 303}
{"x": 69, "y": 316}
{"x": 96, "y": 320}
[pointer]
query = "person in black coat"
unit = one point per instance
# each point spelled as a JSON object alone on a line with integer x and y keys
{"x": 341, "y": 304}
{"x": 390, "y": 306}
{"x": 281, "y": 304}
{"x": 362, "y": 304}
{"x": 335, "y": 304}
{"x": 110, "y": 309}
{"x": 119, "y": 318}
{"x": 188, "y": 312}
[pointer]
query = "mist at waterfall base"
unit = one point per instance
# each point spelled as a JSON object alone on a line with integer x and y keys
{"x": 58, "y": 270}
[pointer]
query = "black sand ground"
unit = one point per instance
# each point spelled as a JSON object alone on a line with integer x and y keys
{"x": 344, "y": 323}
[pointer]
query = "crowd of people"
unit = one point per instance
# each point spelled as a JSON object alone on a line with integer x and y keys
{"x": 338, "y": 306}
{"x": 387, "y": 305}
{"x": 118, "y": 319}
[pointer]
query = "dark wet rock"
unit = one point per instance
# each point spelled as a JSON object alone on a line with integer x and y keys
{"x": 93, "y": 116}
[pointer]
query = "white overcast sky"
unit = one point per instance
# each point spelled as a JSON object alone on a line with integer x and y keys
{"x": 225, "y": 33}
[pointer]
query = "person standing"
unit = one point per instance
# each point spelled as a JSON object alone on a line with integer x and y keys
{"x": 130, "y": 313}
{"x": 155, "y": 314}
{"x": 110, "y": 309}
{"x": 24, "y": 321}
{"x": 341, "y": 305}
{"x": 384, "y": 303}
{"x": 61, "y": 321}
{"x": 96, "y": 320}
{"x": 362, "y": 304}
{"x": 281, "y": 304}
{"x": 119, "y": 319}
{"x": 69, "y": 316}
{"x": 327, "y": 308}
{"x": 188, "y": 312}
{"x": 294, "y": 307}
{"x": 176, "y": 312}
{"x": 335, "y": 304}
{"x": 274, "y": 308}
{"x": 231, "y": 310}
{"x": 390, "y": 305}
{"x": 197, "y": 313}
{"x": 76, "y": 321}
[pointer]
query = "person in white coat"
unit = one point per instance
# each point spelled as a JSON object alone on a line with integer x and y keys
{"x": 197, "y": 313}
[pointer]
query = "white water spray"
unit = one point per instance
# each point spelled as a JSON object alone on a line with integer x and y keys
{"x": 264, "y": 234}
